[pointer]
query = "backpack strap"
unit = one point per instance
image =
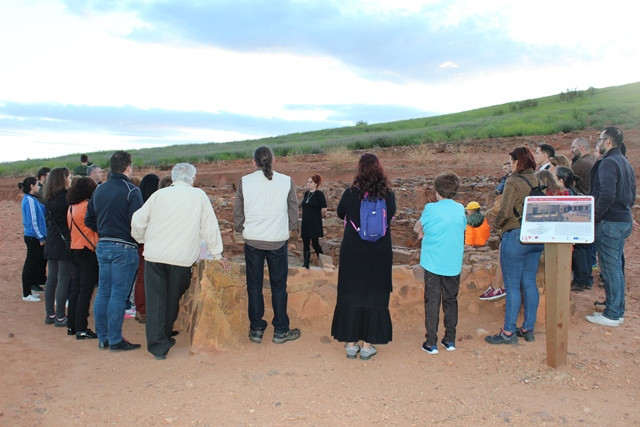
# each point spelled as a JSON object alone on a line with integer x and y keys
{"x": 515, "y": 211}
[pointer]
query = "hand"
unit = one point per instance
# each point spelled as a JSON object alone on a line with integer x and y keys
{"x": 635, "y": 224}
{"x": 226, "y": 265}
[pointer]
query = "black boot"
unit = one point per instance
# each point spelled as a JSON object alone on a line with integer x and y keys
{"x": 307, "y": 258}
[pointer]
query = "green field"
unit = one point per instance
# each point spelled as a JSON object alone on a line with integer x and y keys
{"x": 569, "y": 111}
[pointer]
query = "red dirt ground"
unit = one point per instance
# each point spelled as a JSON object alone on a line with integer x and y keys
{"x": 51, "y": 379}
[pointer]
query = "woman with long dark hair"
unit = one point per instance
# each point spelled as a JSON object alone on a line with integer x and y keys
{"x": 519, "y": 262}
{"x": 364, "y": 276}
{"x": 35, "y": 233}
{"x": 56, "y": 249}
{"x": 314, "y": 206}
{"x": 83, "y": 255}
{"x": 148, "y": 185}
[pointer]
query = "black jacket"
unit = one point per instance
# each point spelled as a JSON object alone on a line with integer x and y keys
{"x": 111, "y": 207}
{"x": 613, "y": 186}
{"x": 55, "y": 246}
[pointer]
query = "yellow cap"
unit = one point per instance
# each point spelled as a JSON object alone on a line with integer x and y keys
{"x": 473, "y": 205}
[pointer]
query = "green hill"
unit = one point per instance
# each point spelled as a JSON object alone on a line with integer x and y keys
{"x": 569, "y": 111}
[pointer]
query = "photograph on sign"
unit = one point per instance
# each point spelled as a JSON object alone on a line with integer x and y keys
{"x": 558, "y": 219}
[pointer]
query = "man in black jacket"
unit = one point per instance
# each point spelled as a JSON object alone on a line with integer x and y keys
{"x": 613, "y": 186}
{"x": 109, "y": 213}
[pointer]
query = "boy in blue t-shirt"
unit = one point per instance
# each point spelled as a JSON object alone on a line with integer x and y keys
{"x": 441, "y": 228}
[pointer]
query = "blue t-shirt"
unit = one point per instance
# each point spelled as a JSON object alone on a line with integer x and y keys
{"x": 443, "y": 224}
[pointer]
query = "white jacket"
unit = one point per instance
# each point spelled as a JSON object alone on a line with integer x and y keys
{"x": 265, "y": 207}
{"x": 173, "y": 222}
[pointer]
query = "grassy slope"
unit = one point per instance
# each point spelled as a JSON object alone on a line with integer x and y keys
{"x": 594, "y": 108}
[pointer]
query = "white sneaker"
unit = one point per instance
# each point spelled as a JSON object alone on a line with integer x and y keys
{"x": 599, "y": 313}
{"x": 604, "y": 321}
{"x": 32, "y": 298}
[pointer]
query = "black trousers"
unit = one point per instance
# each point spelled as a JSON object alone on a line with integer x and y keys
{"x": 164, "y": 285}
{"x": 440, "y": 289}
{"x": 314, "y": 241}
{"x": 85, "y": 279}
{"x": 34, "y": 264}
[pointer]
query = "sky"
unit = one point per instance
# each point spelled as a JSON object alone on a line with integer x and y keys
{"x": 86, "y": 76}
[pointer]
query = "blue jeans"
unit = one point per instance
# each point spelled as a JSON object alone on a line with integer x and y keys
{"x": 278, "y": 263}
{"x": 519, "y": 265}
{"x": 118, "y": 264}
{"x": 610, "y": 238}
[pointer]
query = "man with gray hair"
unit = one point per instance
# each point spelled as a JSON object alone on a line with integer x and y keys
{"x": 582, "y": 162}
{"x": 95, "y": 173}
{"x": 171, "y": 224}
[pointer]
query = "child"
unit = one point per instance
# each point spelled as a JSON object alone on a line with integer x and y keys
{"x": 441, "y": 228}
{"x": 477, "y": 232}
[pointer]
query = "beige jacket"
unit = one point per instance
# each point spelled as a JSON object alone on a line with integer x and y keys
{"x": 173, "y": 223}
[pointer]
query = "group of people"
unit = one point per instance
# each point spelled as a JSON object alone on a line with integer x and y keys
{"x": 114, "y": 220}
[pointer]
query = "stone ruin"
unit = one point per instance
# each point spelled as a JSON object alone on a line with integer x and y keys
{"x": 214, "y": 309}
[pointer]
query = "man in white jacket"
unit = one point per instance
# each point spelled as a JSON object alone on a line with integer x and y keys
{"x": 172, "y": 224}
{"x": 265, "y": 210}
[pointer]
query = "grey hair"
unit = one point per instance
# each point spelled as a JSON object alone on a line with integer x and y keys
{"x": 91, "y": 168}
{"x": 184, "y": 172}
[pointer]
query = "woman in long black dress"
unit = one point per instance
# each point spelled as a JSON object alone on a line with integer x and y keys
{"x": 364, "y": 276}
{"x": 314, "y": 206}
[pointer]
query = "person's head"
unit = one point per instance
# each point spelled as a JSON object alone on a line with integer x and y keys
{"x": 447, "y": 185}
{"x": 371, "y": 177}
{"x": 566, "y": 177}
{"x": 42, "y": 174}
{"x": 120, "y": 162}
{"x": 84, "y": 158}
{"x": 549, "y": 180}
{"x": 472, "y": 207}
{"x": 27, "y": 186}
{"x": 558, "y": 160}
{"x": 544, "y": 152}
{"x": 506, "y": 167}
{"x": 263, "y": 159}
{"x": 135, "y": 180}
{"x": 314, "y": 182}
{"x": 580, "y": 147}
{"x": 183, "y": 172}
{"x": 165, "y": 181}
{"x": 148, "y": 185}
{"x": 611, "y": 137}
{"x": 59, "y": 179}
{"x": 81, "y": 189}
{"x": 95, "y": 172}
{"x": 522, "y": 159}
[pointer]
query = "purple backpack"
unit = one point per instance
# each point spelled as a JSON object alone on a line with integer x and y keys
{"x": 373, "y": 219}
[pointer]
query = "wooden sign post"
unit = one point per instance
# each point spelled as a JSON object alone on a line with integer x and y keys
{"x": 558, "y": 222}
{"x": 557, "y": 273}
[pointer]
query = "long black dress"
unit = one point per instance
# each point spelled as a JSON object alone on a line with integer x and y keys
{"x": 312, "y": 205}
{"x": 364, "y": 278}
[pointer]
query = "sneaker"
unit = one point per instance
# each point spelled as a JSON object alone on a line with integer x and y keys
{"x": 431, "y": 349}
{"x": 31, "y": 298}
{"x": 449, "y": 345}
{"x": 255, "y": 335}
{"x": 50, "y": 320}
{"x": 527, "y": 335}
{"x": 37, "y": 288}
{"x": 352, "y": 351}
{"x": 486, "y": 294}
{"x": 502, "y": 338}
{"x": 577, "y": 288}
{"x": 130, "y": 313}
{"x": 368, "y": 353}
{"x": 290, "y": 335}
{"x": 599, "y": 319}
{"x": 60, "y": 323}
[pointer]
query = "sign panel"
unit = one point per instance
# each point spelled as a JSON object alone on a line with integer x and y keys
{"x": 558, "y": 219}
